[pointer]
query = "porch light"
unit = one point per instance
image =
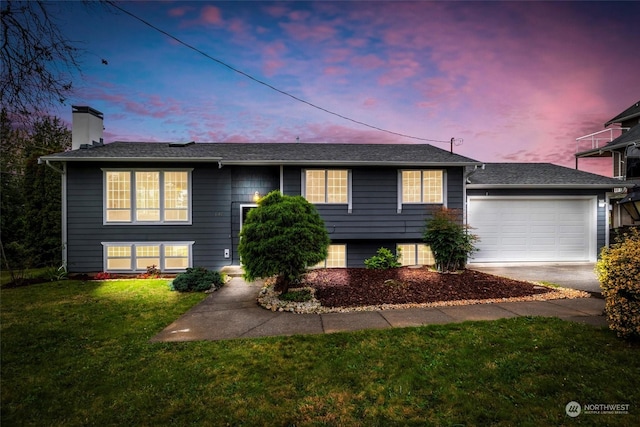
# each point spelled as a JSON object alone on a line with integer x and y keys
{"x": 631, "y": 203}
{"x": 256, "y": 197}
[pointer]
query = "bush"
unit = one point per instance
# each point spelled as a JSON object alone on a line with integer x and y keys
{"x": 619, "y": 274}
{"x": 301, "y": 295}
{"x": 449, "y": 240}
{"x": 383, "y": 260}
{"x": 282, "y": 237}
{"x": 197, "y": 280}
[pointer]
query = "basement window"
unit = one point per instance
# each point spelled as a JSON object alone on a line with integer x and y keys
{"x": 133, "y": 257}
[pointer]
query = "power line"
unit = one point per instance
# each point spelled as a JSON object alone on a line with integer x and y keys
{"x": 224, "y": 64}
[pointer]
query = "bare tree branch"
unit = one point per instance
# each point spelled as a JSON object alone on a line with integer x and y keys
{"x": 38, "y": 61}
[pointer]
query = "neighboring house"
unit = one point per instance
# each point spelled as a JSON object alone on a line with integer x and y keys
{"x": 624, "y": 151}
{"x": 130, "y": 205}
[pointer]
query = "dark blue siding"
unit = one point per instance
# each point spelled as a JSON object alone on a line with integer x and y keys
{"x": 211, "y": 204}
{"x": 217, "y": 196}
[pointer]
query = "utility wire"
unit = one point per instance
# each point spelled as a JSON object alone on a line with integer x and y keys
{"x": 224, "y": 64}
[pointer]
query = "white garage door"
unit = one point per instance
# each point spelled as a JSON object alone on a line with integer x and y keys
{"x": 515, "y": 229}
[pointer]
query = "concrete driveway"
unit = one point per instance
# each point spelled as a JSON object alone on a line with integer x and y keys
{"x": 576, "y": 276}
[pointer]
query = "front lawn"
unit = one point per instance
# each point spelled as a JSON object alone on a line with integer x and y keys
{"x": 78, "y": 353}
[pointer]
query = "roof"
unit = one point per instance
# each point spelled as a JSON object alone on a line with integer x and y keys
{"x": 536, "y": 175}
{"x": 268, "y": 153}
{"x": 627, "y": 138}
{"x": 629, "y": 113}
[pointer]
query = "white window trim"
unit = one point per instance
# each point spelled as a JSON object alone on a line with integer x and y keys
{"x": 132, "y": 196}
{"x": 133, "y": 245}
{"x": 303, "y": 190}
{"x": 444, "y": 189}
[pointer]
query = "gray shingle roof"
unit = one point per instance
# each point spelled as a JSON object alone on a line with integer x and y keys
{"x": 629, "y": 113}
{"x": 269, "y": 153}
{"x": 536, "y": 175}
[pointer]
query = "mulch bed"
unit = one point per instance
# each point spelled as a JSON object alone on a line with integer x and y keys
{"x": 356, "y": 287}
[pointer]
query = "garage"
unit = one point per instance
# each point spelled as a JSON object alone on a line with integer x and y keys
{"x": 534, "y": 229}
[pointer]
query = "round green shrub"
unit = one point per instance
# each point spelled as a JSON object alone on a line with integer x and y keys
{"x": 619, "y": 274}
{"x": 197, "y": 279}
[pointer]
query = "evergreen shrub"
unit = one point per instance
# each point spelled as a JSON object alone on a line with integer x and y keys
{"x": 197, "y": 279}
{"x": 449, "y": 240}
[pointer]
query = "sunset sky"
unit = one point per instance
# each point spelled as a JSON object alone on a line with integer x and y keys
{"x": 517, "y": 81}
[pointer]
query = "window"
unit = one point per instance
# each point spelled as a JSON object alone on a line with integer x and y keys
{"x": 132, "y": 257}
{"x": 422, "y": 186}
{"x": 147, "y": 196}
{"x": 326, "y": 186}
{"x": 415, "y": 254}
{"x": 336, "y": 258}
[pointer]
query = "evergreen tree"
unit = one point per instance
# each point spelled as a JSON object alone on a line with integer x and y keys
{"x": 282, "y": 237}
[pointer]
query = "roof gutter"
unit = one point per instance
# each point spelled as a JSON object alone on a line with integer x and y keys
{"x": 132, "y": 159}
{"x": 339, "y": 163}
{"x": 548, "y": 186}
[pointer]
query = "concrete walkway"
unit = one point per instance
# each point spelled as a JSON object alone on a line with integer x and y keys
{"x": 232, "y": 312}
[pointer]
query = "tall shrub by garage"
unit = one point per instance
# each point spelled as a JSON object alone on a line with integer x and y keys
{"x": 282, "y": 237}
{"x": 449, "y": 240}
{"x": 619, "y": 274}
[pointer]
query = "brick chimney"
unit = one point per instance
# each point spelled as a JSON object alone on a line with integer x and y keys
{"x": 86, "y": 127}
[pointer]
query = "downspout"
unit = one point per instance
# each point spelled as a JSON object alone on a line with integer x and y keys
{"x": 63, "y": 206}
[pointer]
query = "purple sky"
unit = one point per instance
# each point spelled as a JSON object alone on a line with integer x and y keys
{"x": 518, "y": 81}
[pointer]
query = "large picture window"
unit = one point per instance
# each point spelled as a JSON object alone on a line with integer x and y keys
{"x": 139, "y": 256}
{"x": 422, "y": 186}
{"x": 326, "y": 186}
{"x": 147, "y": 196}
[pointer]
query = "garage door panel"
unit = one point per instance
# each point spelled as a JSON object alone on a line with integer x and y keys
{"x": 517, "y": 229}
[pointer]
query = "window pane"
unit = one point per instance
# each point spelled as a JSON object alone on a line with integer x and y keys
{"x": 337, "y": 186}
{"x": 176, "y": 196}
{"x": 407, "y": 254}
{"x": 425, "y": 256}
{"x": 315, "y": 186}
{"x": 176, "y": 251}
{"x": 119, "y": 264}
{"x": 147, "y": 251}
{"x": 411, "y": 187}
{"x": 337, "y": 257}
{"x": 176, "y": 263}
{"x": 118, "y": 216}
{"x": 432, "y": 186}
{"x": 118, "y": 251}
{"x": 148, "y": 196}
{"x": 118, "y": 194}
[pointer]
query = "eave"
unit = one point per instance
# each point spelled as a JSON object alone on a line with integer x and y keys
{"x": 547, "y": 186}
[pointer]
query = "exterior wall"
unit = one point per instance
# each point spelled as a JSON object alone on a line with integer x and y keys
{"x": 217, "y": 197}
{"x": 602, "y": 223}
{"x": 211, "y": 201}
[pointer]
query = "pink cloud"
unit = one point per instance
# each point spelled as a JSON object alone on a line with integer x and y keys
{"x": 211, "y": 15}
{"x": 178, "y": 12}
{"x": 308, "y": 32}
{"x": 334, "y": 71}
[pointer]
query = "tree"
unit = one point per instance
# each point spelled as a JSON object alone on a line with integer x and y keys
{"x": 30, "y": 222}
{"x": 282, "y": 237}
{"x": 38, "y": 61}
{"x": 449, "y": 240}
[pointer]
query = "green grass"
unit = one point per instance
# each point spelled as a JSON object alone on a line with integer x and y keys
{"x": 77, "y": 353}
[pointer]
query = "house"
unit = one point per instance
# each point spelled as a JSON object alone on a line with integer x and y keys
{"x": 624, "y": 150}
{"x": 130, "y": 205}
